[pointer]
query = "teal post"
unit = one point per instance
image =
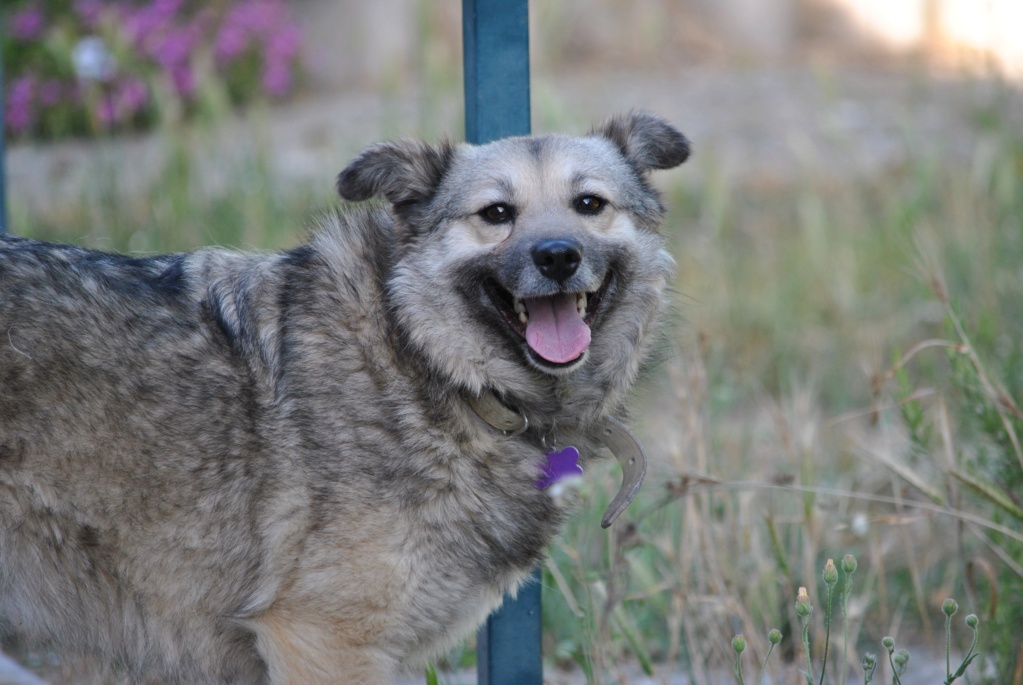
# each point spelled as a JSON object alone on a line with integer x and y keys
{"x": 495, "y": 35}
{"x": 508, "y": 644}
{"x": 3, "y": 126}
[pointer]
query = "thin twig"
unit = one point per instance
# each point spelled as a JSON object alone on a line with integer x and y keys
{"x": 712, "y": 486}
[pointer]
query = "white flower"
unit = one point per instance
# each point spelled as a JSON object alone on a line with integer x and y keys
{"x": 860, "y": 525}
{"x": 92, "y": 59}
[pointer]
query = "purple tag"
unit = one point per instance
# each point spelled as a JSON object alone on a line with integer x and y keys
{"x": 561, "y": 464}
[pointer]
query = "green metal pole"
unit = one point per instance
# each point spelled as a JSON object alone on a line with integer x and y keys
{"x": 495, "y": 34}
{"x": 3, "y": 176}
{"x": 508, "y": 647}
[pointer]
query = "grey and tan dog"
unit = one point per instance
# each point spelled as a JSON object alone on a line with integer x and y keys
{"x": 324, "y": 465}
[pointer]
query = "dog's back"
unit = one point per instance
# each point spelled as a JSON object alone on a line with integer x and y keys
{"x": 121, "y": 418}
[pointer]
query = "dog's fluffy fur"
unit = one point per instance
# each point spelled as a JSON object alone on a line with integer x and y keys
{"x": 264, "y": 468}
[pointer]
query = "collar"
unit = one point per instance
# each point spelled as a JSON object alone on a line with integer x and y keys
{"x": 614, "y": 434}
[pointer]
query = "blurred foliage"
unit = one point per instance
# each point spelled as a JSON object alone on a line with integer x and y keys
{"x": 87, "y": 67}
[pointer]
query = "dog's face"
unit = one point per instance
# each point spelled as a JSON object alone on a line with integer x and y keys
{"x": 540, "y": 252}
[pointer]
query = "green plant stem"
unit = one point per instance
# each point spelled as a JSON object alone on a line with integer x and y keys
{"x": 895, "y": 672}
{"x": 763, "y": 668}
{"x": 967, "y": 660}
{"x": 738, "y": 669}
{"x": 806, "y": 649}
{"x": 827, "y": 634}
{"x": 973, "y": 645}
{"x": 846, "y": 591}
{"x": 948, "y": 648}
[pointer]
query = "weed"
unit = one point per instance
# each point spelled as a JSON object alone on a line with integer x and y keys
{"x": 898, "y": 660}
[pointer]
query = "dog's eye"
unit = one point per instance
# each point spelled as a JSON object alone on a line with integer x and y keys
{"x": 497, "y": 213}
{"x": 589, "y": 204}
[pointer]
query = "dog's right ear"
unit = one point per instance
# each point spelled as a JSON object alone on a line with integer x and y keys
{"x": 404, "y": 172}
{"x": 646, "y": 140}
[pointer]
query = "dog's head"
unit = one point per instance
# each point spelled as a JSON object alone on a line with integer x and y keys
{"x": 529, "y": 262}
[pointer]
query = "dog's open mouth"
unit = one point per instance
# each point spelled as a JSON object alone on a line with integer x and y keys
{"x": 555, "y": 327}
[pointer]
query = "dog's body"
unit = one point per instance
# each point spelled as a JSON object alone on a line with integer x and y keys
{"x": 231, "y": 468}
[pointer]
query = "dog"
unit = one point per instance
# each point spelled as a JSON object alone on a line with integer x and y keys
{"x": 328, "y": 464}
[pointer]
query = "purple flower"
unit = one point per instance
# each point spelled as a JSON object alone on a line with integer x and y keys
{"x": 164, "y": 11}
{"x": 107, "y": 111}
{"x": 160, "y": 35}
{"x": 174, "y": 47}
{"x": 284, "y": 43}
{"x": 27, "y": 24}
{"x": 142, "y": 24}
{"x": 276, "y": 78}
{"x": 20, "y": 115}
{"x": 132, "y": 97}
{"x": 260, "y": 16}
{"x": 231, "y": 41}
{"x": 264, "y": 24}
{"x": 147, "y": 24}
{"x": 89, "y": 12}
{"x": 183, "y": 79}
{"x": 50, "y": 92}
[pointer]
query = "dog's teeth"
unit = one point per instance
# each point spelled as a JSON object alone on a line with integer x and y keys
{"x": 520, "y": 309}
{"x": 580, "y": 304}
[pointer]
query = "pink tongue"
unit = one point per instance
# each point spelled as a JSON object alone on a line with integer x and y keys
{"x": 555, "y": 331}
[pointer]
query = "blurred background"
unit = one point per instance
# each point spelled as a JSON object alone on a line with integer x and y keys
{"x": 843, "y": 365}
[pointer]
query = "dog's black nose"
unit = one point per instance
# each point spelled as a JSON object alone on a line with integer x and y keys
{"x": 558, "y": 258}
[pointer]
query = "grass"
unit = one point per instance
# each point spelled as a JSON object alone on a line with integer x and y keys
{"x": 178, "y": 210}
{"x": 826, "y": 393}
{"x": 838, "y": 379}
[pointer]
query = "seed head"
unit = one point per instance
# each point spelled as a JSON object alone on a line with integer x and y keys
{"x": 738, "y": 644}
{"x": 830, "y": 573}
{"x": 849, "y": 564}
{"x": 803, "y": 606}
{"x": 774, "y": 637}
{"x": 869, "y": 667}
{"x": 949, "y": 607}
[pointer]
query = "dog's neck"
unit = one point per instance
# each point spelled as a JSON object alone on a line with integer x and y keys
{"x": 626, "y": 448}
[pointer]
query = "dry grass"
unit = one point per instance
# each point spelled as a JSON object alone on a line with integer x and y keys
{"x": 790, "y": 427}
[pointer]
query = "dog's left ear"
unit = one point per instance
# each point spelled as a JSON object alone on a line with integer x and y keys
{"x": 646, "y": 140}
{"x": 404, "y": 172}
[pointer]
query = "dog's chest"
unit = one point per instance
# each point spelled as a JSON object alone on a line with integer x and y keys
{"x": 469, "y": 543}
